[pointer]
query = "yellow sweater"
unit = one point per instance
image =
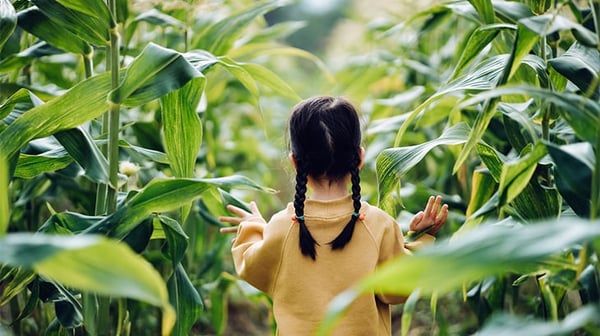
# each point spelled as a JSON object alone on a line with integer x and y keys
{"x": 268, "y": 257}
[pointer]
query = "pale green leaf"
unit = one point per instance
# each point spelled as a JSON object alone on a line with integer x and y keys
{"x": 485, "y": 10}
{"x": 4, "y": 197}
{"x": 266, "y": 77}
{"x": 94, "y": 8}
{"x": 30, "y": 166}
{"x": 89, "y": 263}
{"x": 182, "y": 127}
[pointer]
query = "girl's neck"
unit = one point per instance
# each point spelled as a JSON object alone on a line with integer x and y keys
{"x": 325, "y": 189}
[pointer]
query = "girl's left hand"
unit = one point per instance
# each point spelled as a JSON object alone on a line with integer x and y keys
{"x": 434, "y": 216}
{"x": 242, "y": 215}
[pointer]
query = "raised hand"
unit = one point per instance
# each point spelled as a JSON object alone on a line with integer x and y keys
{"x": 434, "y": 216}
{"x": 241, "y": 215}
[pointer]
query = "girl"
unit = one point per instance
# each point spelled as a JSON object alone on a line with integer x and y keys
{"x": 322, "y": 245}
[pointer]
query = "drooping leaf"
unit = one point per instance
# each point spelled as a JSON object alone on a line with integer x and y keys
{"x": 582, "y": 114}
{"x": 82, "y": 148}
{"x": 97, "y": 9}
{"x": 89, "y": 263}
{"x": 483, "y": 251}
{"x": 392, "y": 163}
{"x": 177, "y": 239}
{"x": 154, "y": 73}
{"x": 8, "y": 21}
{"x": 573, "y": 173}
{"x": 186, "y": 300}
{"x": 30, "y": 166}
{"x": 547, "y": 24}
{"x": 158, "y": 18}
{"x": 162, "y": 195}
{"x": 580, "y": 65}
{"x": 220, "y": 37}
{"x": 88, "y": 27}
{"x": 516, "y": 174}
{"x": 83, "y": 102}
{"x": 35, "y": 22}
{"x": 485, "y": 9}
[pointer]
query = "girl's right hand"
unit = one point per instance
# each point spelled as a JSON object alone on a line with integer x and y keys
{"x": 242, "y": 215}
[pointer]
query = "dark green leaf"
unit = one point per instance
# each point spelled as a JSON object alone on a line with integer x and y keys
{"x": 30, "y": 166}
{"x": 38, "y": 24}
{"x": 8, "y": 21}
{"x": 581, "y": 66}
{"x": 573, "y": 174}
{"x": 186, "y": 300}
{"x": 177, "y": 240}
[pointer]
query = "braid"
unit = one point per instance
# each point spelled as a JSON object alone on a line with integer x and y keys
{"x": 344, "y": 237}
{"x": 307, "y": 242}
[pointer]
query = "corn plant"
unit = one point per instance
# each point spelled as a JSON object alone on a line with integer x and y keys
{"x": 110, "y": 175}
{"x": 515, "y": 120}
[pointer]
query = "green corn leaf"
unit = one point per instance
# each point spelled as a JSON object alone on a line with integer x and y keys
{"x": 266, "y": 77}
{"x": 68, "y": 223}
{"x": 408, "y": 311}
{"x": 177, "y": 239}
{"x": 485, "y": 9}
{"x": 83, "y": 102}
{"x": 4, "y": 196}
{"x": 580, "y": 65}
{"x": 582, "y": 114}
{"x": 154, "y": 73}
{"x": 30, "y": 166}
{"x": 89, "y": 263}
{"x": 14, "y": 281}
{"x": 186, "y": 300}
{"x": 573, "y": 173}
{"x": 35, "y": 22}
{"x": 88, "y": 27}
{"x": 547, "y": 24}
{"x": 158, "y": 18}
{"x": 479, "y": 39}
{"x": 393, "y": 163}
{"x": 484, "y": 251}
{"x": 162, "y": 195}
{"x": 505, "y": 324}
{"x": 182, "y": 127}
{"x": 8, "y": 21}
{"x": 220, "y": 37}
{"x": 516, "y": 175}
{"x": 82, "y": 148}
{"x": 94, "y": 8}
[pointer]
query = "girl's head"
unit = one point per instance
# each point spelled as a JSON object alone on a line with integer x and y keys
{"x": 325, "y": 141}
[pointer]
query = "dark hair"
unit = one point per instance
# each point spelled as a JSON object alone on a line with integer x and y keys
{"x": 325, "y": 141}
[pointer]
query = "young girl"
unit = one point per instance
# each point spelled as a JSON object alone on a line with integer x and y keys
{"x": 323, "y": 244}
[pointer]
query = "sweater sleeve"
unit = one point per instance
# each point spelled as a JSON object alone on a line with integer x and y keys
{"x": 256, "y": 253}
{"x": 392, "y": 246}
{"x": 419, "y": 242}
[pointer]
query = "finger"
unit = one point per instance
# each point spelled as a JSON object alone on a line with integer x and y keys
{"x": 429, "y": 207}
{"x": 416, "y": 220}
{"x": 232, "y": 220}
{"x": 231, "y": 229}
{"x": 254, "y": 209}
{"x": 441, "y": 218}
{"x": 238, "y": 211}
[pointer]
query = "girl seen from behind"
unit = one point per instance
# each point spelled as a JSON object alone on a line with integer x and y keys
{"x": 327, "y": 239}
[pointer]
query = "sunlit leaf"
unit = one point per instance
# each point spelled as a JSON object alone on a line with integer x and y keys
{"x": 483, "y": 251}
{"x": 95, "y": 8}
{"x": 30, "y": 166}
{"x": 485, "y": 9}
{"x": 158, "y": 18}
{"x": 393, "y": 163}
{"x": 266, "y": 77}
{"x": 220, "y": 37}
{"x": 162, "y": 195}
{"x": 182, "y": 127}
{"x": 154, "y": 73}
{"x": 516, "y": 174}
{"x": 83, "y": 102}
{"x": 89, "y": 263}
{"x": 549, "y": 23}
{"x": 88, "y": 27}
